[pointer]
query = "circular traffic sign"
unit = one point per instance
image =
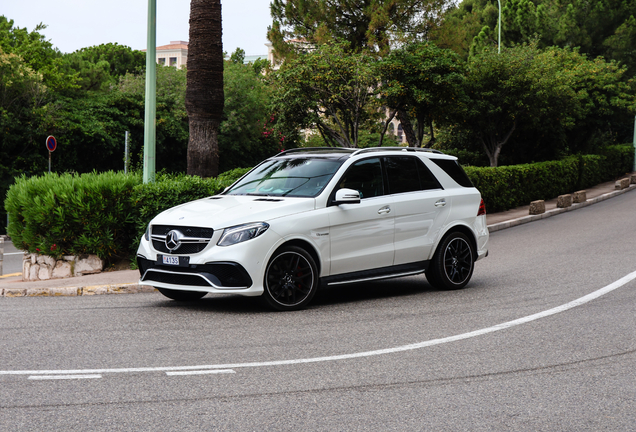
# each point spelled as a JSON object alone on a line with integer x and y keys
{"x": 51, "y": 143}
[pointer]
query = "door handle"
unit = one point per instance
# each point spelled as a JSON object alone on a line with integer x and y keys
{"x": 385, "y": 210}
{"x": 440, "y": 203}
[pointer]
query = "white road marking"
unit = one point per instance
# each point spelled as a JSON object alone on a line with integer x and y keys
{"x": 201, "y": 372}
{"x": 567, "y": 306}
{"x": 62, "y": 377}
{"x": 15, "y": 253}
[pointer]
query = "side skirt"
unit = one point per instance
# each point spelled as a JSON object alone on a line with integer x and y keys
{"x": 376, "y": 274}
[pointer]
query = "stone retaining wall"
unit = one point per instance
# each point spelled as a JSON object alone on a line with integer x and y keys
{"x": 41, "y": 267}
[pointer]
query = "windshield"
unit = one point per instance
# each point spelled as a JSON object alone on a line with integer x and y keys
{"x": 298, "y": 177}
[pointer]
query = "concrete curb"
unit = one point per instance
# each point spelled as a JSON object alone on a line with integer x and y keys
{"x": 127, "y": 288}
{"x": 549, "y": 213}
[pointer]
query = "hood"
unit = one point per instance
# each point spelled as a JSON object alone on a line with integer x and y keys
{"x": 222, "y": 211}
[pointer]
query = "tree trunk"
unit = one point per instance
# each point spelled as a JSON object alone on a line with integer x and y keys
{"x": 204, "y": 91}
{"x": 493, "y": 145}
{"x": 407, "y": 127}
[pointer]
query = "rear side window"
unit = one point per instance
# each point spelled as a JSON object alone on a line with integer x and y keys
{"x": 409, "y": 174}
{"x": 454, "y": 170}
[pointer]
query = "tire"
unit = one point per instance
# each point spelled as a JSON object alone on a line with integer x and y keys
{"x": 291, "y": 279}
{"x": 179, "y": 295}
{"x": 453, "y": 263}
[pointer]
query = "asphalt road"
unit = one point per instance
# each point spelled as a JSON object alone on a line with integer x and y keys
{"x": 389, "y": 356}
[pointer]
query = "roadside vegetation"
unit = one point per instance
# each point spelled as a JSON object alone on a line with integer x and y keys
{"x": 547, "y": 113}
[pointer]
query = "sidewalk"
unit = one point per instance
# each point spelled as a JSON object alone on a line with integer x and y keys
{"x": 127, "y": 281}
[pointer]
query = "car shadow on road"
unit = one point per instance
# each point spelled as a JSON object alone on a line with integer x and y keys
{"x": 325, "y": 297}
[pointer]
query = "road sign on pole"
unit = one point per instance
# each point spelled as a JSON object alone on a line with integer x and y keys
{"x": 51, "y": 145}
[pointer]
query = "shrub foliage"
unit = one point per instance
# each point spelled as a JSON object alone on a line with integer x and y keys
{"x": 103, "y": 214}
{"x": 506, "y": 187}
{"x": 106, "y": 214}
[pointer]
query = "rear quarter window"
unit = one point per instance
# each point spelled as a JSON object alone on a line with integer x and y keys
{"x": 454, "y": 170}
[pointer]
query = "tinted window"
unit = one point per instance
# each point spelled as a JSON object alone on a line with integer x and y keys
{"x": 297, "y": 177}
{"x": 454, "y": 170}
{"x": 365, "y": 177}
{"x": 408, "y": 174}
{"x": 427, "y": 179}
{"x": 402, "y": 174}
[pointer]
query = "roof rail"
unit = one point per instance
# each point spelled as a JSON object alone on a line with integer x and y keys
{"x": 323, "y": 149}
{"x": 402, "y": 149}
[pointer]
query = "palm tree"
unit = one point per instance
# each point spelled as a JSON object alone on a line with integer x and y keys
{"x": 204, "y": 93}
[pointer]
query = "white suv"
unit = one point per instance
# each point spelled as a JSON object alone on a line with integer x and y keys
{"x": 322, "y": 216}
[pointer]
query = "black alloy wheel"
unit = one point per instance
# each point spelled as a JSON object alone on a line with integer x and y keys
{"x": 453, "y": 263}
{"x": 291, "y": 279}
{"x": 179, "y": 295}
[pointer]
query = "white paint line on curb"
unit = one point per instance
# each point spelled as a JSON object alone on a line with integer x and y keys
{"x": 64, "y": 377}
{"x": 506, "y": 325}
{"x": 201, "y": 372}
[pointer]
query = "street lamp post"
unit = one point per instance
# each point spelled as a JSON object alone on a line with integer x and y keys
{"x": 499, "y": 43}
{"x": 151, "y": 95}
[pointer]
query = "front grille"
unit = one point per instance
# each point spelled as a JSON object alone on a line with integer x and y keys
{"x": 198, "y": 239}
{"x": 184, "y": 249}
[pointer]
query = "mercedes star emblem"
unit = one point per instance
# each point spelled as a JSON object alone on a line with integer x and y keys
{"x": 173, "y": 240}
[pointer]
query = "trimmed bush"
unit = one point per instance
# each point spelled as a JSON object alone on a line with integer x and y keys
{"x": 71, "y": 214}
{"x": 507, "y": 187}
{"x": 103, "y": 214}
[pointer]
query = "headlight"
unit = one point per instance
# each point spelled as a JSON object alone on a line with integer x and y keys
{"x": 241, "y": 233}
{"x": 147, "y": 233}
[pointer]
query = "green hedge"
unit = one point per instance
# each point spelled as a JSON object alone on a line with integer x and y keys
{"x": 103, "y": 214}
{"x": 106, "y": 214}
{"x": 512, "y": 186}
{"x": 73, "y": 214}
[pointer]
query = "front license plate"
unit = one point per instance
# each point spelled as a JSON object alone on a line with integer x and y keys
{"x": 170, "y": 260}
{"x": 173, "y": 260}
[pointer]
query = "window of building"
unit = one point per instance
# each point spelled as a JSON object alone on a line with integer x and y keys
{"x": 161, "y": 61}
{"x": 173, "y": 61}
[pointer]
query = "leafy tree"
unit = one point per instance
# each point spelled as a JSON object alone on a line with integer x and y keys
{"x": 244, "y": 136}
{"x": 599, "y": 28}
{"x": 97, "y": 68}
{"x": 374, "y": 25}
{"x": 22, "y": 110}
{"x": 511, "y": 91}
{"x": 605, "y": 100}
{"x": 327, "y": 89}
{"x": 541, "y": 104}
{"x": 204, "y": 94}
{"x": 121, "y": 59}
{"x": 37, "y": 53}
{"x": 421, "y": 83}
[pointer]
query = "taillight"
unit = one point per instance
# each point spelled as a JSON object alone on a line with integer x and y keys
{"x": 482, "y": 208}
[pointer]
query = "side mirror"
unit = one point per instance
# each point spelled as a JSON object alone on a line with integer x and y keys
{"x": 347, "y": 196}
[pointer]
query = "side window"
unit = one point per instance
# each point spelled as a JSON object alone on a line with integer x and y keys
{"x": 402, "y": 174}
{"x": 454, "y": 170}
{"x": 365, "y": 177}
{"x": 409, "y": 174}
{"x": 427, "y": 179}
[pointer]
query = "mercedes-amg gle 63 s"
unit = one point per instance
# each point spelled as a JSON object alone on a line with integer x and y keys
{"x": 307, "y": 218}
